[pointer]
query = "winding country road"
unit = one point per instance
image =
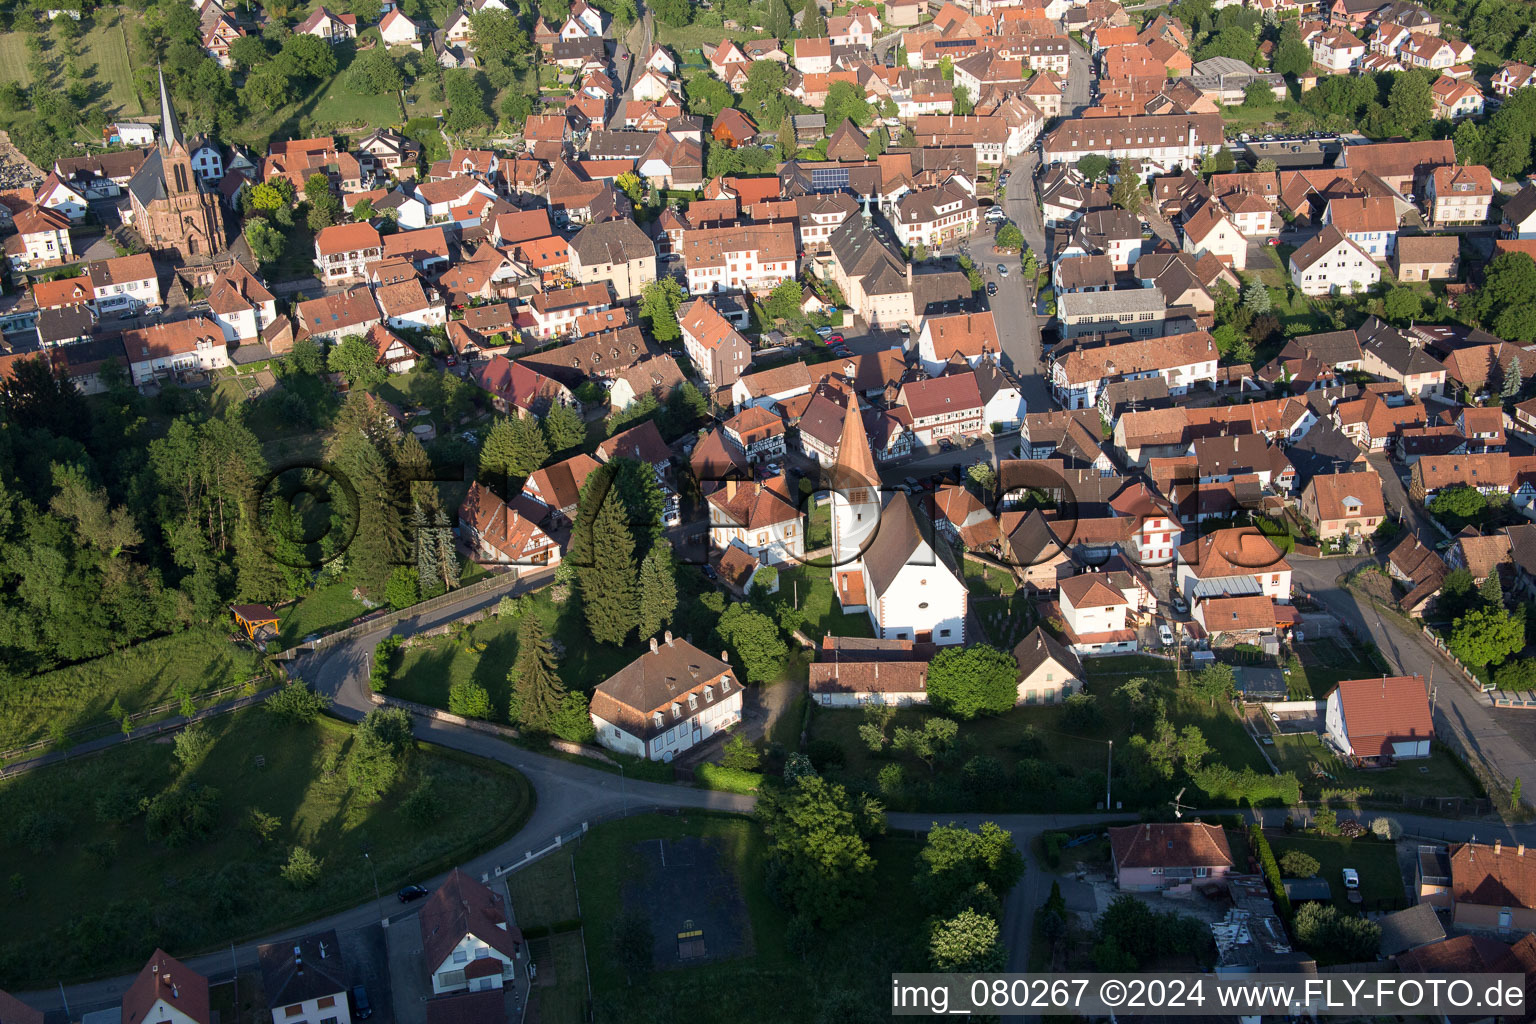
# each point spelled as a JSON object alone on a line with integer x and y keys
{"x": 570, "y": 794}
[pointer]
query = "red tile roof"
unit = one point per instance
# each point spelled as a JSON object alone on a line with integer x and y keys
{"x": 1170, "y": 845}
{"x": 1380, "y": 711}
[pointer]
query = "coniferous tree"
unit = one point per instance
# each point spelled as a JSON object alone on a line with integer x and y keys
{"x": 537, "y": 692}
{"x": 563, "y": 429}
{"x": 427, "y": 569}
{"x": 528, "y": 446}
{"x": 378, "y": 540}
{"x": 1512, "y": 380}
{"x": 608, "y": 589}
{"x": 780, "y": 24}
{"x": 658, "y": 590}
{"x": 447, "y": 556}
{"x": 499, "y": 451}
{"x": 813, "y": 25}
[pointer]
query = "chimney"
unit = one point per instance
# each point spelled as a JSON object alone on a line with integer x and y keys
{"x": 730, "y": 489}
{"x": 1520, "y": 850}
{"x": 1498, "y": 844}
{"x": 668, "y": 636}
{"x": 653, "y": 645}
{"x": 725, "y": 657}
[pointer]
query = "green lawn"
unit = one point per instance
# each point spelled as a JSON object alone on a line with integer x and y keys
{"x": 1381, "y": 881}
{"x": 485, "y": 651}
{"x": 1438, "y": 775}
{"x": 1323, "y": 664}
{"x": 86, "y": 879}
{"x": 14, "y": 54}
{"x": 561, "y": 989}
{"x": 817, "y": 601}
{"x": 690, "y": 37}
{"x": 544, "y": 893}
{"x": 854, "y": 962}
{"x": 142, "y": 676}
{"x": 320, "y": 611}
{"x": 1071, "y": 760}
{"x": 987, "y": 581}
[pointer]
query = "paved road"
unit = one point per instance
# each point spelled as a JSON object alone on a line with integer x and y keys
{"x": 1459, "y": 710}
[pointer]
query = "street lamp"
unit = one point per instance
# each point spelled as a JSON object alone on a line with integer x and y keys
{"x": 378, "y": 902}
{"x": 1109, "y": 778}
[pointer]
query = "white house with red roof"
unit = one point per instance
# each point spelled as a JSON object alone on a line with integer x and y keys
{"x": 343, "y": 251}
{"x": 944, "y": 407}
{"x": 398, "y": 30}
{"x": 1378, "y": 721}
{"x": 167, "y": 991}
{"x": 1237, "y": 561}
{"x": 41, "y": 239}
{"x": 467, "y": 939}
{"x": 1158, "y": 530}
{"x": 58, "y": 195}
{"x": 716, "y": 348}
{"x": 1097, "y": 616}
{"x": 971, "y": 335}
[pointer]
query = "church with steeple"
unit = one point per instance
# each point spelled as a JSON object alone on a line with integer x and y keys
{"x": 886, "y": 561}
{"x": 169, "y": 206}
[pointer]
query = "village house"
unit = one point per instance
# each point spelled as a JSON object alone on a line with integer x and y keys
{"x": 1159, "y": 856}
{"x": 124, "y": 283}
{"x": 856, "y": 671}
{"x": 716, "y": 349}
{"x": 41, "y": 239}
{"x": 1330, "y": 262}
{"x": 1183, "y": 360}
{"x": 558, "y": 486}
{"x": 503, "y": 534}
{"x": 756, "y": 433}
{"x": 944, "y": 407}
{"x": 759, "y": 518}
{"x": 1492, "y": 888}
{"x": 1427, "y": 258}
{"x": 171, "y": 350}
{"x": 1234, "y": 562}
{"x": 1343, "y": 504}
{"x": 1096, "y": 616}
{"x": 167, "y": 991}
{"x": 343, "y": 251}
{"x": 468, "y": 942}
{"x": 665, "y": 701}
{"x": 305, "y": 980}
{"x": 1375, "y": 722}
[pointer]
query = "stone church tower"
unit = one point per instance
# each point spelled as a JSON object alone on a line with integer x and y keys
{"x": 172, "y": 210}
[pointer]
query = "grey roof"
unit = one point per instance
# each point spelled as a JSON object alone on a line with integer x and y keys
{"x": 148, "y": 183}
{"x": 1080, "y": 272}
{"x": 63, "y": 324}
{"x": 1307, "y": 889}
{"x": 1142, "y": 393}
{"x": 1224, "y": 66}
{"x": 1333, "y": 348}
{"x": 1121, "y": 301}
{"x": 1408, "y": 929}
{"x": 862, "y": 253}
{"x": 294, "y": 970}
{"x": 897, "y": 538}
{"x": 1320, "y": 245}
{"x": 605, "y": 145}
{"x": 170, "y": 127}
{"x": 612, "y": 241}
{"x": 1323, "y": 449}
{"x": 1522, "y": 206}
{"x": 934, "y": 294}
{"x": 1389, "y": 345}
{"x": 992, "y": 378}
{"x": 1034, "y": 649}
{"x": 1522, "y": 546}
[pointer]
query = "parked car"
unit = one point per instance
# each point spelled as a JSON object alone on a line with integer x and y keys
{"x": 411, "y": 893}
{"x": 1165, "y": 635}
{"x": 823, "y": 332}
{"x": 709, "y": 573}
{"x": 835, "y": 339}
{"x": 1180, "y": 605}
{"x": 991, "y": 287}
{"x": 362, "y": 1009}
{"x": 1351, "y": 878}
{"x": 1002, "y": 270}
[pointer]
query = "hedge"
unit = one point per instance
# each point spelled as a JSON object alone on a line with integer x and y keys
{"x": 1271, "y": 869}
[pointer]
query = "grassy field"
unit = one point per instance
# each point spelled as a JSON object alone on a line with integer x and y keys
{"x": 106, "y": 46}
{"x": 484, "y": 653}
{"x": 690, "y": 37}
{"x": 544, "y": 892}
{"x": 1074, "y": 759}
{"x": 142, "y": 676}
{"x": 852, "y": 964}
{"x": 86, "y": 878}
{"x": 1381, "y": 881}
{"x": 14, "y": 54}
{"x": 818, "y": 603}
{"x": 320, "y": 611}
{"x": 561, "y": 989}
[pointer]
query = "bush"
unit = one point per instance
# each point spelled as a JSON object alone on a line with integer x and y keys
{"x": 302, "y": 869}
{"x": 1386, "y": 828}
{"x": 182, "y": 814}
{"x": 383, "y": 659}
{"x": 297, "y": 701}
{"x": 1296, "y": 864}
{"x": 191, "y": 744}
{"x": 422, "y": 807}
{"x": 730, "y": 780}
{"x": 826, "y": 754}
{"x": 740, "y": 755}
{"x": 469, "y": 700}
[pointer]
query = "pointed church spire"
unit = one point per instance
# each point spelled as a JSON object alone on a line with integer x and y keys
{"x": 855, "y": 467}
{"x": 170, "y": 128}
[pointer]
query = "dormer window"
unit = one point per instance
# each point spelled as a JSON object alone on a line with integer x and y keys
{"x": 709, "y": 694}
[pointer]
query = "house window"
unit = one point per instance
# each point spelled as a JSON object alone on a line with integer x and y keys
{"x": 460, "y": 956}
{"x": 293, "y": 1011}
{"x": 1504, "y": 919}
{"x": 326, "y": 1002}
{"x": 482, "y": 953}
{"x": 1202, "y": 872}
